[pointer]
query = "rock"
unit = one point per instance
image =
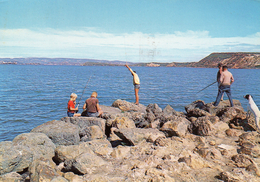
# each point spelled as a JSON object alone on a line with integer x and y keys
{"x": 14, "y": 158}
{"x": 233, "y": 132}
{"x": 220, "y": 127}
{"x": 59, "y": 179}
{"x": 86, "y": 163}
{"x": 250, "y": 149}
{"x": 108, "y": 111}
{"x": 92, "y": 133}
{"x": 176, "y": 127}
{"x": 241, "y": 160}
{"x": 138, "y": 118}
{"x": 136, "y": 135}
{"x": 252, "y": 137}
{"x": 228, "y": 177}
{"x": 168, "y": 112}
{"x": 38, "y": 143}
{"x": 232, "y": 114}
{"x": 197, "y": 109}
{"x": 101, "y": 147}
{"x": 127, "y": 106}
{"x": 42, "y": 170}
{"x": 84, "y": 124}
{"x": 61, "y": 133}
{"x": 155, "y": 109}
{"x": 120, "y": 152}
{"x": 194, "y": 161}
{"x": 11, "y": 177}
{"x": 227, "y": 150}
{"x": 70, "y": 152}
{"x": 209, "y": 153}
{"x": 123, "y": 122}
{"x": 202, "y": 126}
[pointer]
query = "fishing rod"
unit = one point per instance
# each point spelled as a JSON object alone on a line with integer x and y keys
{"x": 84, "y": 90}
{"x": 207, "y": 86}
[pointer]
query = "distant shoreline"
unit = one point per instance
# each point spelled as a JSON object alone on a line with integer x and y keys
{"x": 235, "y": 60}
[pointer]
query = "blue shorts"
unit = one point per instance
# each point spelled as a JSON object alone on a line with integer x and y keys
{"x": 137, "y": 86}
{"x": 92, "y": 114}
{"x": 70, "y": 114}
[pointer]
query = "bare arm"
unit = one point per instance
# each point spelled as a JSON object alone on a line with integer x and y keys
{"x": 84, "y": 106}
{"x": 232, "y": 79}
{"x": 129, "y": 69}
{"x": 74, "y": 109}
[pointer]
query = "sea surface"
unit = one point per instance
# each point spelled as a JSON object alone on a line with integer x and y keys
{"x": 34, "y": 94}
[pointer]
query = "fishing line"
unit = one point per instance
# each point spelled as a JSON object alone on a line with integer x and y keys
{"x": 84, "y": 91}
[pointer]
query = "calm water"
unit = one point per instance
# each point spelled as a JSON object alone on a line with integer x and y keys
{"x": 32, "y": 95}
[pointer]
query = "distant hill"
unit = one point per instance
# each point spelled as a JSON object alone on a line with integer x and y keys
{"x": 232, "y": 60}
{"x": 60, "y": 61}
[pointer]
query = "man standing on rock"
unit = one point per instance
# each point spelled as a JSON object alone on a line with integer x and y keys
{"x": 136, "y": 82}
{"x": 92, "y": 106}
{"x": 226, "y": 79}
{"x": 220, "y": 70}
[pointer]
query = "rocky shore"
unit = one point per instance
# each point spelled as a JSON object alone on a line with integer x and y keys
{"x": 138, "y": 143}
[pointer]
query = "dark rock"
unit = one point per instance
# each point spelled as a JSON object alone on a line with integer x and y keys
{"x": 228, "y": 177}
{"x": 241, "y": 160}
{"x": 60, "y": 132}
{"x": 197, "y": 109}
{"x": 202, "y": 126}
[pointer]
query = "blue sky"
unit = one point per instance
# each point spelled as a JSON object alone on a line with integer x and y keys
{"x": 128, "y": 30}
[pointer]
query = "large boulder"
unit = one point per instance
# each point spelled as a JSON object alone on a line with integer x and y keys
{"x": 38, "y": 143}
{"x": 201, "y": 126}
{"x": 109, "y": 111}
{"x": 101, "y": 147}
{"x": 123, "y": 122}
{"x": 128, "y": 106}
{"x": 134, "y": 136}
{"x": 176, "y": 127}
{"x": 67, "y": 154}
{"x": 88, "y": 162}
{"x": 60, "y": 132}
{"x": 86, "y": 124}
{"x": 169, "y": 112}
{"x": 11, "y": 177}
{"x": 42, "y": 170}
{"x": 197, "y": 109}
{"x": 14, "y": 158}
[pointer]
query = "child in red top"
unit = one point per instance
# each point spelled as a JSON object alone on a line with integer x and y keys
{"x": 71, "y": 106}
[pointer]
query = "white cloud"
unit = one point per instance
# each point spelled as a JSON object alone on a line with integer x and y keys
{"x": 137, "y": 46}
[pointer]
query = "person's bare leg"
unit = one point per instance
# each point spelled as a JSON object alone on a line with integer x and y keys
{"x": 136, "y": 96}
{"x": 77, "y": 115}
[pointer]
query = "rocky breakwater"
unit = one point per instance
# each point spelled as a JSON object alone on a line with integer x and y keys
{"x": 138, "y": 143}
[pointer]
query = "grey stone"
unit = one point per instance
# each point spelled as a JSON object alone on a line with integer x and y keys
{"x": 38, "y": 143}
{"x": 60, "y": 132}
{"x": 136, "y": 135}
{"x": 128, "y": 106}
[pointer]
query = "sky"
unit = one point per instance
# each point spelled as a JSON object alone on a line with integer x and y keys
{"x": 128, "y": 30}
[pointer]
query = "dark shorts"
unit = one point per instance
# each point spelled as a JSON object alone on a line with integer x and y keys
{"x": 92, "y": 114}
{"x": 70, "y": 114}
{"x": 137, "y": 86}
